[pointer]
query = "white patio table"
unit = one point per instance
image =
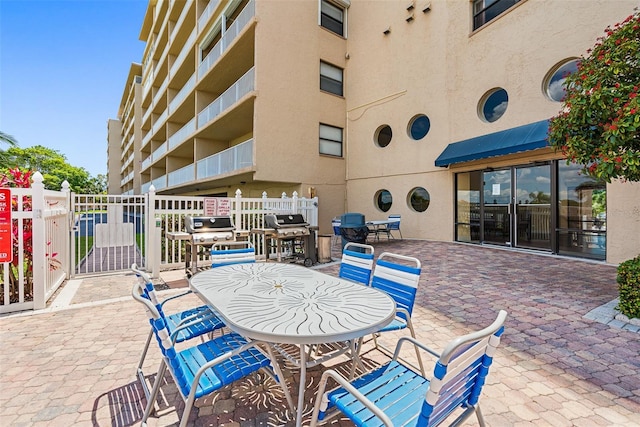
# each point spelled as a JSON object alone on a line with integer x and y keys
{"x": 379, "y": 226}
{"x": 291, "y": 304}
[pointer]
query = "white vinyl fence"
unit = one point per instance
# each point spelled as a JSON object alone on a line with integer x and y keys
{"x": 59, "y": 235}
{"x": 40, "y": 222}
{"x": 166, "y": 214}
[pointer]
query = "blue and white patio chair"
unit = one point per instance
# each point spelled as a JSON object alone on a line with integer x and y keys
{"x": 185, "y": 325}
{"x": 394, "y": 395}
{"x": 393, "y": 226}
{"x": 357, "y": 262}
{"x": 337, "y": 236}
{"x": 206, "y": 367}
{"x": 234, "y": 252}
{"x": 356, "y": 266}
{"x": 398, "y": 276}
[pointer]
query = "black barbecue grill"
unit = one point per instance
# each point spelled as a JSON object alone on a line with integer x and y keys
{"x": 293, "y": 229}
{"x": 204, "y": 231}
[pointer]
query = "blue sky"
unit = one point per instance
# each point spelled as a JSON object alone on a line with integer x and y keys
{"x": 63, "y": 67}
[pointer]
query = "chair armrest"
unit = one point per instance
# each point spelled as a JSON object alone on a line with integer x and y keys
{"x": 415, "y": 342}
{"x": 322, "y": 400}
{"x": 174, "y": 297}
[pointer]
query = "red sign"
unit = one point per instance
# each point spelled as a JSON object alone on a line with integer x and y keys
{"x": 6, "y": 235}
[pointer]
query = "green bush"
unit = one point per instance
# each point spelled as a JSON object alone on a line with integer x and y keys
{"x": 629, "y": 287}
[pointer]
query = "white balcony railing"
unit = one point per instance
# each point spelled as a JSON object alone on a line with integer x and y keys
{"x": 158, "y": 152}
{"x": 180, "y": 96}
{"x": 147, "y": 138}
{"x": 160, "y": 182}
{"x": 144, "y": 188}
{"x": 162, "y": 90}
{"x": 182, "y": 175}
{"x": 240, "y": 88}
{"x": 186, "y": 49}
{"x": 146, "y": 163}
{"x": 186, "y": 130}
{"x": 179, "y": 21}
{"x": 227, "y": 38}
{"x": 232, "y": 159}
{"x": 159, "y": 122}
{"x": 211, "y": 7}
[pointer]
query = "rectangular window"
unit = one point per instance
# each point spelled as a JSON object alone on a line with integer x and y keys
{"x": 332, "y": 17}
{"x": 330, "y": 78}
{"x": 486, "y": 10}
{"x": 330, "y": 140}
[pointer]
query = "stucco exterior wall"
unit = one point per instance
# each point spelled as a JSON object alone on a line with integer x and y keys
{"x": 290, "y": 107}
{"x": 436, "y": 65}
{"x": 623, "y": 221}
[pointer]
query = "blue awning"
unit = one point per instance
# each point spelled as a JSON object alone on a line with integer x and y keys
{"x": 515, "y": 140}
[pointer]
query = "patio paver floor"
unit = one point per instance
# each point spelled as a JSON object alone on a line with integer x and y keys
{"x": 74, "y": 363}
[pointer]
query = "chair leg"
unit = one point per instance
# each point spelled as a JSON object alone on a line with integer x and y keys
{"x": 188, "y": 404}
{"x": 152, "y": 398}
{"x": 479, "y": 415}
{"x": 139, "y": 372}
{"x": 413, "y": 335}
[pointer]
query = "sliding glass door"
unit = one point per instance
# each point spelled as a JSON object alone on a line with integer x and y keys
{"x": 532, "y": 222}
{"x": 549, "y": 206}
{"x": 497, "y": 207}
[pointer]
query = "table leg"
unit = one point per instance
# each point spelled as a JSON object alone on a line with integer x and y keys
{"x": 301, "y": 385}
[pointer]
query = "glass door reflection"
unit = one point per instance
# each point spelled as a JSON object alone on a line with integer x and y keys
{"x": 532, "y": 220}
{"x": 497, "y": 207}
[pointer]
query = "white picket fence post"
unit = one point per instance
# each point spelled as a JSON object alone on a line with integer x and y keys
{"x": 237, "y": 214}
{"x": 38, "y": 241}
{"x": 153, "y": 250}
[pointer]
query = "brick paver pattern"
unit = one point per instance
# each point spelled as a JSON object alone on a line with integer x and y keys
{"x": 554, "y": 367}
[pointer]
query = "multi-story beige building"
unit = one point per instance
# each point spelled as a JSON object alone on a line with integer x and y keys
{"x": 434, "y": 110}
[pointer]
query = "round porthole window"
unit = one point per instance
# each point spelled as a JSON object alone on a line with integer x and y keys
{"x": 419, "y": 199}
{"x": 493, "y": 105}
{"x": 383, "y": 136}
{"x": 554, "y": 82}
{"x": 419, "y": 127}
{"x": 383, "y": 200}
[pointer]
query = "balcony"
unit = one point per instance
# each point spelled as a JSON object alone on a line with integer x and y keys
{"x": 146, "y": 163}
{"x": 180, "y": 96}
{"x": 227, "y": 38}
{"x": 182, "y": 175}
{"x": 186, "y": 49}
{"x": 158, "y": 152}
{"x": 240, "y": 88}
{"x": 211, "y": 7}
{"x": 162, "y": 91}
{"x": 235, "y": 158}
{"x": 178, "y": 137}
{"x": 159, "y": 122}
{"x": 160, "y": 182}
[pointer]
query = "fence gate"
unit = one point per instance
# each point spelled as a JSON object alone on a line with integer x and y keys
{"x": 108, "y": 232}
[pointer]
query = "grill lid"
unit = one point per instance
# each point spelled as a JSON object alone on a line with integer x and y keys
{"x": 207, "y": 224}
{"x": 285, "y": 221}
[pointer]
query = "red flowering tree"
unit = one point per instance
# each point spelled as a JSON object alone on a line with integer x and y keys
{"x": 20, "y": 179}
{"x": 599, "y": 124}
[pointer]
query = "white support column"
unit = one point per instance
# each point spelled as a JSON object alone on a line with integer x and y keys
{"x": 39, "y": 242}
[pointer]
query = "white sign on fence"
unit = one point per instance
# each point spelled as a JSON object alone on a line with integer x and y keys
{"x": 214, "y": 206}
